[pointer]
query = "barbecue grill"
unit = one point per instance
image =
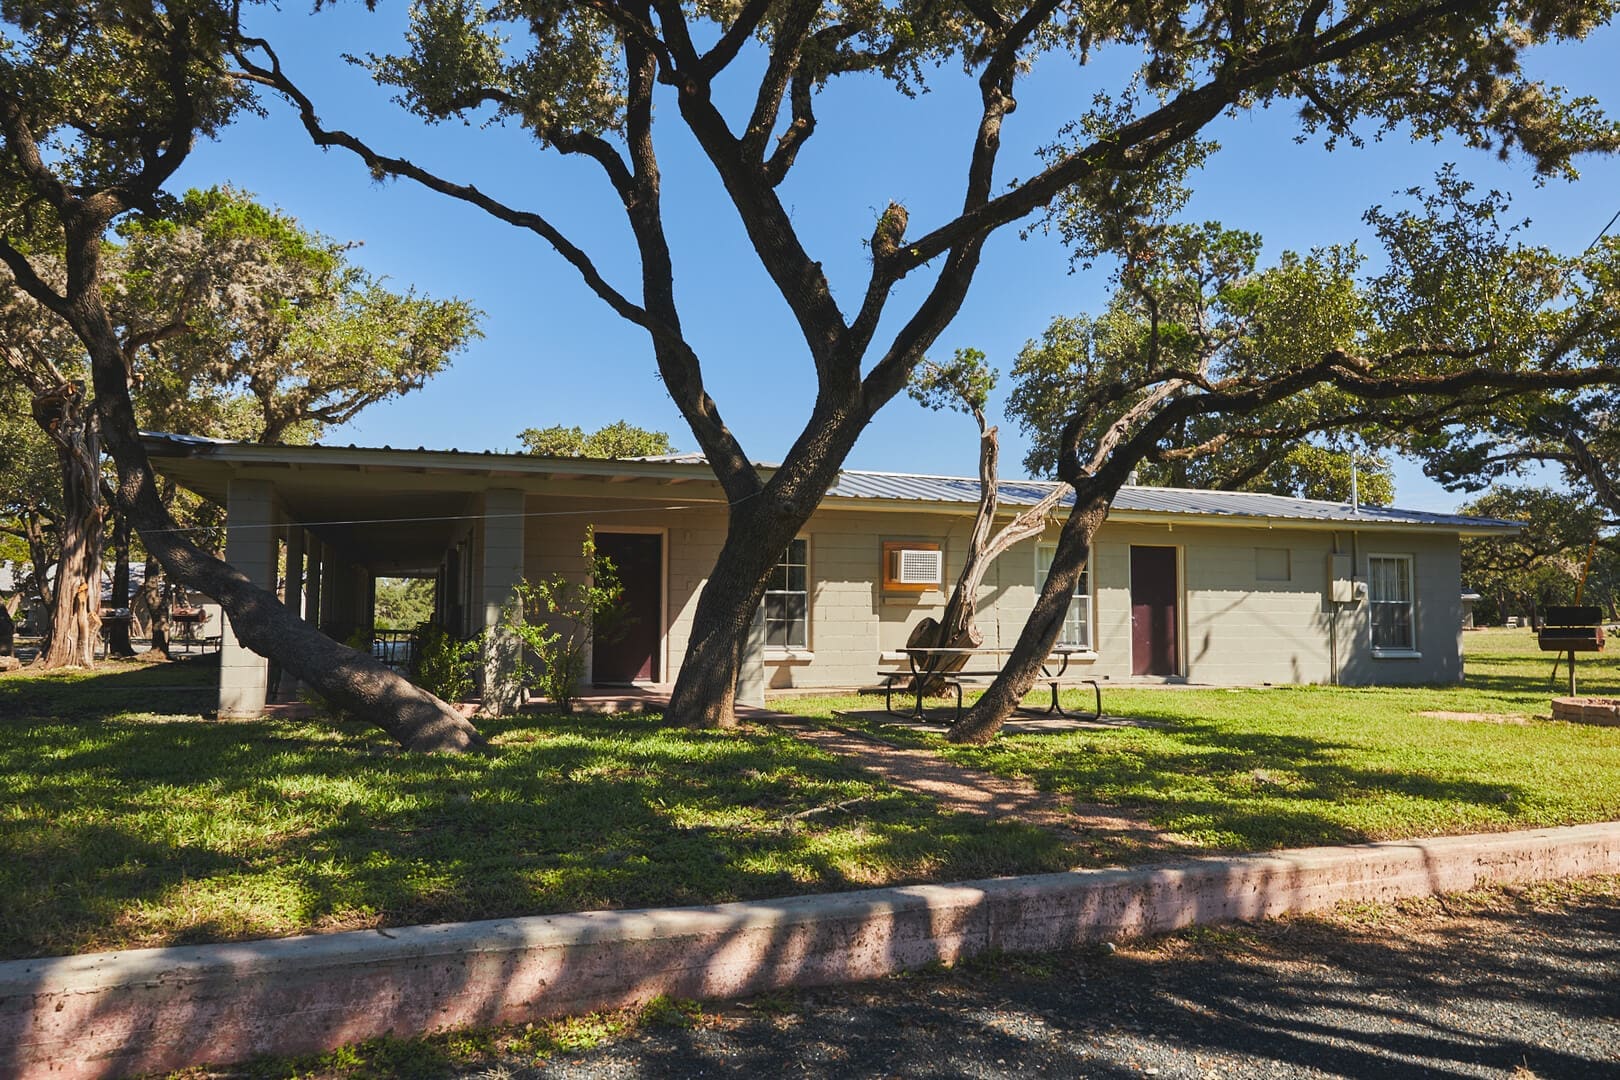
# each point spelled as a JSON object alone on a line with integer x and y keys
{"x": 1571, "y": 629}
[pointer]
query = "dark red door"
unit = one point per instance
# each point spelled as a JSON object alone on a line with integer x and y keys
{"x": 633, "y": 654}
{"x": 1153, "y": 611}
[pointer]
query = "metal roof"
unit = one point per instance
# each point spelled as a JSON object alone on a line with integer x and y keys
{"x": 1235, "y": 507}
{"x": 907, "y": 487}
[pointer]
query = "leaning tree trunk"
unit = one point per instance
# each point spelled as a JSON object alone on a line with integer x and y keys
{"x": 76, "y": 609}
{"x": 980, "y": 723}
{"x": 351, "y": 681}
{"x": 151, "y": 608}
{"x": 118, "y": 643}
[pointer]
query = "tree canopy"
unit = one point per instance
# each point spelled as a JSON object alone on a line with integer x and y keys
{"x": 620, "y": 439}
{"x": 1547, "y": 561}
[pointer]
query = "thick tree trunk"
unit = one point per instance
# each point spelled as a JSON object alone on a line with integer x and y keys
{"x": 118, "y": 629}
{"x": 351, "y": 681}
{"x": 39, "y": 555}
{"x": 980, "y": 723}
{"x": 705, "y": 693}
{"x": 151, "y": 607}
{"x": 76, "y": 607}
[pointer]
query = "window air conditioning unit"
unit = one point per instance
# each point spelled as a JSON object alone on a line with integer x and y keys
{"x": 916, "y": 566}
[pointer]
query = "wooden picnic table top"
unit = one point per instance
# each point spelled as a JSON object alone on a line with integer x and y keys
{"x": 902, "y": 654}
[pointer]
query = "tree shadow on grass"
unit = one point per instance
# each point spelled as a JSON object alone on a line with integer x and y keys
{"x": 115, "y": 688}
{"x": 1248, "y": 790}
{"x": 269, "y": 828}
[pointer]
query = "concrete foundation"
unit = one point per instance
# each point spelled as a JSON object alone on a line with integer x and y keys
{"x": 113, "y": 1014}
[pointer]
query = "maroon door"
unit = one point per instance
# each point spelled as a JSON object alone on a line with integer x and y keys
{"x": 633, "y": 654}
{"x": 1153, "y": 611}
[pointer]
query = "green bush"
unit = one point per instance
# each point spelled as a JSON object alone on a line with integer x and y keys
{"x": 556, "y": 619}
{"x": 442, "y": 664}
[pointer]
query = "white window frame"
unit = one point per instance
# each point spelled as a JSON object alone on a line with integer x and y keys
{"x": 1411, "y": 647}
{"x": 791, "y": 648}
{"x": 1082, "y": 612}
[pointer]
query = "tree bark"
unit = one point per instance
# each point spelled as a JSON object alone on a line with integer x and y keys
{"x": 705, "y": 693}
{"x": 980, "y": 723}
{"x": 76, "y": 609}
{"x": 151, "y": 606}
{"x": 39, "y": 555}
{"x": 118, "y": 643}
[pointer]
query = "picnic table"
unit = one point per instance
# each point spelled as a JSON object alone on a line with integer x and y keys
{"x": 187, "y": 619}
{"x": 922, "y": 663}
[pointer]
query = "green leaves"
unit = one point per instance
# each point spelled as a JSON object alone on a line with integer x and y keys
{"x": 963, "y": 382}
{"x": 619, "y": 440}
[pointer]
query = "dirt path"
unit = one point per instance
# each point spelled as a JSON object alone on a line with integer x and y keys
{"x": 959, "y": 788}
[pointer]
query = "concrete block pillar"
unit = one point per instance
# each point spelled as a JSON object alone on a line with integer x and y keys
{"x": 293, "y": 590}
{"x": 331, "y": 574}
{"x": 751, "y": 675}
{"x": 502, "y": 570}
{"x": 250, "y": 546}
{"x": 312, "y": 580}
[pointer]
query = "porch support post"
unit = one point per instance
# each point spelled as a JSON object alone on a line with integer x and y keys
{"x": 751, "y": 674}
{"x": 331, "y": 573}
{"x": 293, "y": 591}
{"x": 312, "y": 581}
{"x": 502, "y": 570}
{"x": 250, "y": 546}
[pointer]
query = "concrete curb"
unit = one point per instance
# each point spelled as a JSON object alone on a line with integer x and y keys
{"x": 112, "y": 1014}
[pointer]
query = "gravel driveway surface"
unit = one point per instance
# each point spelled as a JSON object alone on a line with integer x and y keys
{"x": 1519, "y": 984}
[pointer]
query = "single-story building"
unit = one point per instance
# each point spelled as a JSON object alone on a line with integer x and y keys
{"x": 1183, "y": 586}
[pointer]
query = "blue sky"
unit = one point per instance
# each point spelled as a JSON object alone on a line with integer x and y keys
{"x": 553, "y": 353}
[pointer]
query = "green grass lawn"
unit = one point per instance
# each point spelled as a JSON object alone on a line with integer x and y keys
{"x": 1289, "y": 766}
{"x": 127, "y": 819}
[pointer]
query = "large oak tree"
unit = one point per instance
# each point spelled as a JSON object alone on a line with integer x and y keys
{"x": 100, "y": 103}
{"x": 1306, "y": 346}
{"x": 600, "y": 80}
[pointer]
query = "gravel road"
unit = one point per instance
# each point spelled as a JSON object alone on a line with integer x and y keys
{"x": 1519, "y": 984}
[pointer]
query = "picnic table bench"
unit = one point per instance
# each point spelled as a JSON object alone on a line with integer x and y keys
{"x": 918, "y": 669}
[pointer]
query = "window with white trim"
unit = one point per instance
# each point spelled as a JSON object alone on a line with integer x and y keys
{"x": 787, "y": 599}
{"x": 1390, "y": 603}
{"x": 1077, "y": 624}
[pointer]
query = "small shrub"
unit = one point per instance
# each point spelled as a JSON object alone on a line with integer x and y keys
{"x": 442, "y": 664}
{"x": 556, "y": 619}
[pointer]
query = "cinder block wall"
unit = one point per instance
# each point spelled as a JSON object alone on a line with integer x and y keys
{"x": 1235, "y": 627}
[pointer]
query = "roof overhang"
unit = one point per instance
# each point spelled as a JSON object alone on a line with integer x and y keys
{"x": 413, "y": 499}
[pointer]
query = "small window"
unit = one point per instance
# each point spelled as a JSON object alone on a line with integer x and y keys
{"x": 787, "y": 599}
{"x": 1273, "y": 564}
{"x": 912, "y": 566}
{"x": 1077, "y": 624}
{"x": 1390, "y": 603}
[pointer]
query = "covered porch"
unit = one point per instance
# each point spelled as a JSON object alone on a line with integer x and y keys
{"x": 319, "y": 526}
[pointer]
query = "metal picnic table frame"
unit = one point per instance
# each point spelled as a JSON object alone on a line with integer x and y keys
{"x": 917, "y": 661}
